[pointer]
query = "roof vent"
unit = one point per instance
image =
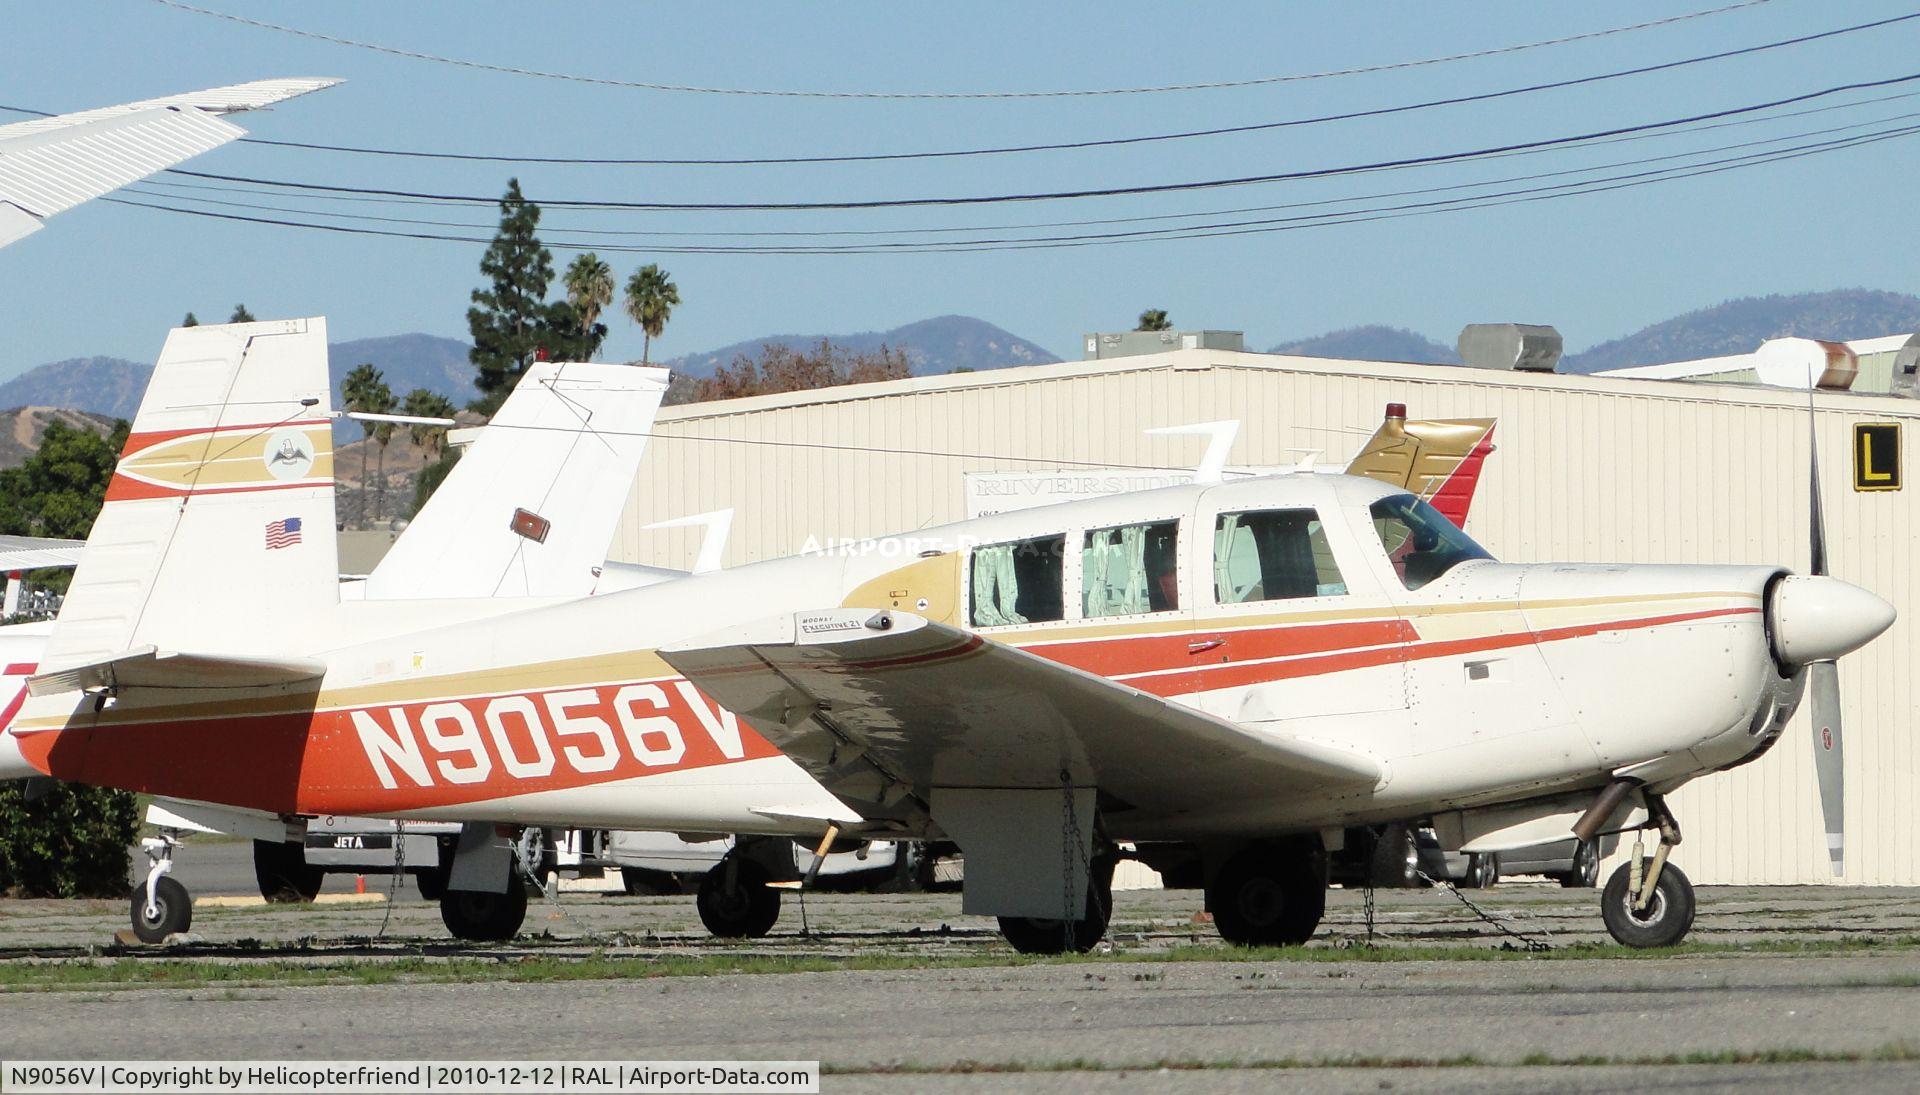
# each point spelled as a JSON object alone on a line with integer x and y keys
{"x": 1806, "y": 362}
{"x": 1525, "y": 346}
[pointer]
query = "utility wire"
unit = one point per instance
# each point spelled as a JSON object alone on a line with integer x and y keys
{"x": 1357, "y": 216}
{"x": 640, "y": 85}
{"x": 1106, "y": 142}
{"x": 190, "y": 190}
{"x": 1082, "y": 193}
{"x": 549, "y": 231}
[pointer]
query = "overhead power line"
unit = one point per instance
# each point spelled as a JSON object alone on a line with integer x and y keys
{"x": 1081, "y": 193}
{"x": 641, "y": 85}
{"x": 550, "y": 230}
{"x": 1103, "y": 142}
{"x": 190, "y": 191}
{"x": 1355, "y": 216}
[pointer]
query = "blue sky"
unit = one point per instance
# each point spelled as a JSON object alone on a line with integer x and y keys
{"x": 110, "y": 280}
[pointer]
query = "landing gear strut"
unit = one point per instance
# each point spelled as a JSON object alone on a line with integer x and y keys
{"x": 1270, "y": 895}
{"x": 162, "y": 906}
{"x": 1649, "y": 902}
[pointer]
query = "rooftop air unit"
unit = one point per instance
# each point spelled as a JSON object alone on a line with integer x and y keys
{"x": 1526, "y": 346}
{"x": 1135, "y": 343}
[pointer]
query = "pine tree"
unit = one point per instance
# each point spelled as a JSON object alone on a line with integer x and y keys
{"x": 512, "y": 322}
{"x": 240, "y": 315}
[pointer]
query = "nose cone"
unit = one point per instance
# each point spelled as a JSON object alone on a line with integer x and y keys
{"x": 1816, "y": 618}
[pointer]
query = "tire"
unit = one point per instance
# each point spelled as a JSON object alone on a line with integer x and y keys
{"x": 280, "y": 867}
{"x": 1668, "y": 917}
{"x": 1395, "y": 863}
{"x": 480, "y": 917}
{"x": 1037, "y": 935}
{"x": 1268, "y": 896}
{"x": 1585, "y": 874}
{"x": 432, "y": 884}
{"x": 537, "y": 859}
{"x": 1483, "y": 871}
{"x": 173, "y": 911}
{"x": 748, "y": 911}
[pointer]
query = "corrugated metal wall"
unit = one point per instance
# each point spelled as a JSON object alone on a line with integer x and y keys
{"x": 1588, "y": 469}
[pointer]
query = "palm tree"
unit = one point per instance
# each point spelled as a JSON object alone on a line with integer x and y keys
{"x": 1154, "y": 319}
{"x": 589, "y": 288}
{"x": 650, "y": 300}
{"x": 365, "y": 390}
{"x": 421, "y": 403}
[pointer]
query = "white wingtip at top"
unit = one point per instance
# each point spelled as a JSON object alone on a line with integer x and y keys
{"x": 256, "y": 95}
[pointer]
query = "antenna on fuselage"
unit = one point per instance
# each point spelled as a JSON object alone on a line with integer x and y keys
{"x": 1213, "y": 466}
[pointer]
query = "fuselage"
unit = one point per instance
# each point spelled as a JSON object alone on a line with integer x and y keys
{"x": 1301, "y": 606}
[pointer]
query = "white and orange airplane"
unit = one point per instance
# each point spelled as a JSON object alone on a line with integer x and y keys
{"x": 1226, "y": 672}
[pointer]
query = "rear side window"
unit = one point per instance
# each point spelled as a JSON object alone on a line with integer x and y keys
{"x": 1272, "y": 555}
{"x": 1130, "y": 569}
{"x": 1019, "y": 583}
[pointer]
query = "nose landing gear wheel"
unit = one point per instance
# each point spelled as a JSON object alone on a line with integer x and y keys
{"x": 481, "y": 917}
{"x": 1666, "y": 919}
{"x": 172, "y": 911}
{"x": 740, "y": 907}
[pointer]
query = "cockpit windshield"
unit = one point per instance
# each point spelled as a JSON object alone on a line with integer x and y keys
{"x": 1420, "y": 542}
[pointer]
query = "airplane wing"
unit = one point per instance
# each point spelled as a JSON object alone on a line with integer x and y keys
{"x": 50, "y": 165}
{"x": 873, "y": 701}
{"x": 1438, "y": 459}
{"x": 38, "y": 552}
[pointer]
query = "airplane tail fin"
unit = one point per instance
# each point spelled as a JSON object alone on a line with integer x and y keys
{"x": 530, "y": 509}
{"x": 217, "y": 535}
{"x": 1438, "y": 459}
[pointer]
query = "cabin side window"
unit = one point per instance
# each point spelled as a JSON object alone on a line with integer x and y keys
{"x": 1272, "y": 555}
{"x": 1019, "y": 583}
{"x": 1130, "y": 569}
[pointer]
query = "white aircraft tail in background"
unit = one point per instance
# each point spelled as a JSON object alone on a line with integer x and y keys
{"x": 531, "y": 507}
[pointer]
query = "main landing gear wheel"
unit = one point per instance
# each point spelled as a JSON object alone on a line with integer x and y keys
{"x": 735, "y": 902}
{"x": 1666, "y": 919}
{"x": 1483, "y": 871}
{"x": 170, "y": 913}
{"x": 1039, "y": 935}
{"x": 281, "y": 869}
{"x": 481, "y": 917}
{"x": 1585, "y": 874}
{"x": 1268, "y": 897}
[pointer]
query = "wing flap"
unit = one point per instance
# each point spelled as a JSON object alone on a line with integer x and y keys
{"x": 149, "y": 667}
{"x": 853, "y": 692}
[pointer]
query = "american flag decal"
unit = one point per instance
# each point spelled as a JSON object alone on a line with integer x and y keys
{"x": 283, "y": 533}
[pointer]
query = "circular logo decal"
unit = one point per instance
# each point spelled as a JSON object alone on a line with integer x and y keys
{"x": 288, "y": 454}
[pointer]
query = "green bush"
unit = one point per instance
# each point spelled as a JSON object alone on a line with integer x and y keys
{"x": 65, "y": 840}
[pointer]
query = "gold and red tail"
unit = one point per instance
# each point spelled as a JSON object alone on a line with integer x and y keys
{"x": 1438, "y": 459}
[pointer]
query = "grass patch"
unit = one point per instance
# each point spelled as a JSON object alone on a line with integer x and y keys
{"x": 164, "y": 971}
{"x": 1892, "y": 1052}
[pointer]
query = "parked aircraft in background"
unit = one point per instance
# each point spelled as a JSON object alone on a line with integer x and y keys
{"x": 49, "y": 165}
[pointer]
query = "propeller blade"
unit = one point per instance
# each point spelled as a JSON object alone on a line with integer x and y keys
{"x": 1823, "y": 681}
{"x": 1817, "y": 519}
